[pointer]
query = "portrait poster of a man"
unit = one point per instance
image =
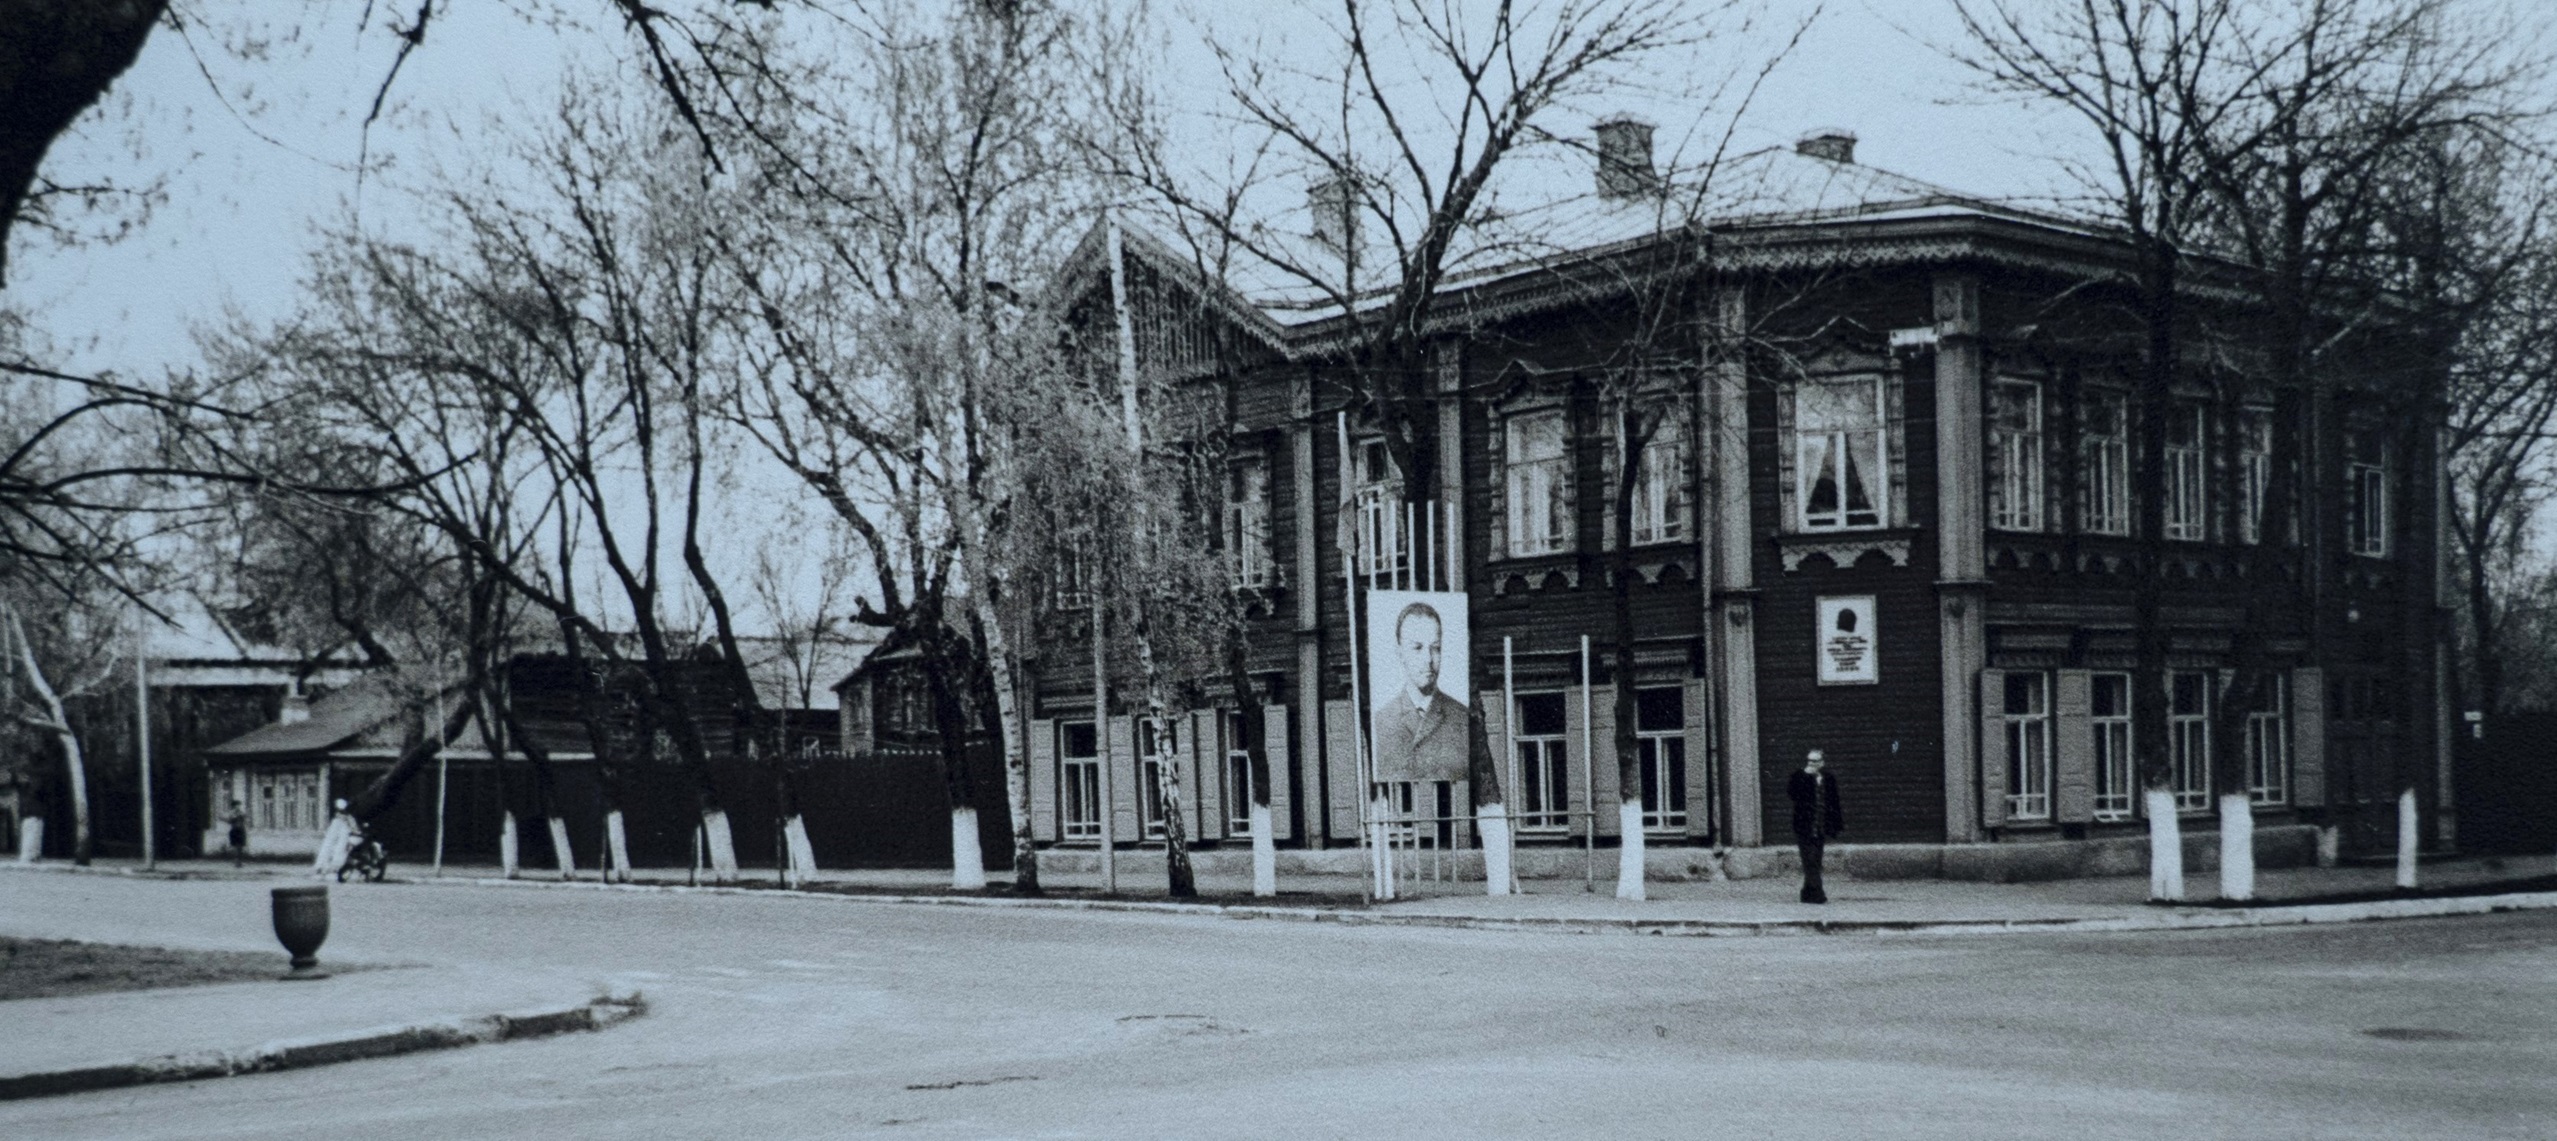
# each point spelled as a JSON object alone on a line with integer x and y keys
{"x": 1417, "y": 650}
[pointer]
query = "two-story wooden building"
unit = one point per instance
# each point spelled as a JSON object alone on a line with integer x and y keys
{"x": 1891, "y": 511}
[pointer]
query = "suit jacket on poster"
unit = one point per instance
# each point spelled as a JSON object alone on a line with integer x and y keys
{"x": 1426, "y": 743}
{"x": 1809, "y": 800}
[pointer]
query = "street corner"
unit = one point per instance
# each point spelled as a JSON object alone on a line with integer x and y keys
{"x": 81, "y": 1043}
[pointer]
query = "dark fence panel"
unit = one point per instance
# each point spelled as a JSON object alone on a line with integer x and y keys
{"x": 2506, "y": 785}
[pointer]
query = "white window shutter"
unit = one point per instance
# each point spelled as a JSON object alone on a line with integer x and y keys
{"x": 1274, "y": 738}
{"x": 2074, "y": 788}
{"x": 1043, "y": 780}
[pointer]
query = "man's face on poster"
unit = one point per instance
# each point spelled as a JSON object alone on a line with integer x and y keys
{"x": 1416, "y": 640}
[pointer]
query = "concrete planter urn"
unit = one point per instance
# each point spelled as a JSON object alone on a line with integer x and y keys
{"x": 302, "y": 924}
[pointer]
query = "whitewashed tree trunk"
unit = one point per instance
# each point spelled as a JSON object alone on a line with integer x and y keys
{"x": 509, "y": 849}
{"x": 1492, "y": 820}
{"x": 30, "y": 839}
{"x": 967, "y": 856}
{"x": 2330, "y": 846}
{"x": 1264, "y": 853}
{"x": 2166, "y": 847}
{"x": 1007, "y": 708}
{"x": 617, "y": 842}
{"x": 803, "y": 856}
{"x": 723, "y": 847}
{"x": 2407, "y": 835}
{"x": 1629, "y": 851}
{"x": 74, "y": 763}
{"x": 2237, "y": 846}
{"x": 563, "y": 857}
{"x": 333, "y": 845}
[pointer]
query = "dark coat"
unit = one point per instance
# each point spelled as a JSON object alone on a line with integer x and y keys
{"x": 1420, "y": 743}
{"x": 1831, "y": 822}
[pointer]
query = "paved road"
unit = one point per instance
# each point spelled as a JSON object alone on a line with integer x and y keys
{"x": 781, "y": 1017}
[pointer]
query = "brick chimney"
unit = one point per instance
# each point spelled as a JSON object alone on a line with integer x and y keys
{"x": 1624, "y": 157}
{"x": 295, "y": 710}
{"x": 1837, "y": 144}
{"x": 1334, "y": 202}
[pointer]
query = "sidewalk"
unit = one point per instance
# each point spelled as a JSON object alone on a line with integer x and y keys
{"x": 73, "y": 1043}
{"x": 1765, "y": 905}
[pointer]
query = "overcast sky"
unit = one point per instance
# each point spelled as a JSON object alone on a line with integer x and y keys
{"x": 257, "y": 130}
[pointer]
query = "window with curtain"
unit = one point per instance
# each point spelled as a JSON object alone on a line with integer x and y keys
{"x": 1661, "y": 491}
{"x": 2015, "y": 456}
{"x": 1536, "y": 458}
{"x": 2254, "y": 471}
{"x": 2188, "y": 499}
{"x": 1841, "y": 454}
{"x": 2104, "y": 455}
{"x": 1247, "y": 521}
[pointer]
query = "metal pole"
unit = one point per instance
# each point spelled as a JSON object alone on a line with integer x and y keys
{"x": 142, "y": 741}
{"x": 1101, "y": 738}
{"x": 1509, "y": 749}
{"x": 443, "y": 775}
{"x": 1588, "y": 779}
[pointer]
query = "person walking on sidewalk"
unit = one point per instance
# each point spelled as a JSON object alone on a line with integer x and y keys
{"x": 237, "y": 819}
{"x": 1816, "y": 820}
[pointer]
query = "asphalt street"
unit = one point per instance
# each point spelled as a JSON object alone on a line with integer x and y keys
{"x": 774, "y": 1016}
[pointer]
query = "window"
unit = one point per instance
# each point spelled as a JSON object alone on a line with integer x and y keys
{"x": 2028, "y": 728}
{"x": 2015, "y": 456}
{"x": 2268, "y": 745}
{"x": 1538, "y": 463}
{"x": 2188, "y": 726}
{"x": 1661, "y": 493}
{"x": 2254, "y": 471}
{"x": 1155, "y": 747}
{"x": 1660, "y": 738}
{"x": 1079, "y": 782}
{"x": 1238, "y": 779}
{"x": 2104, "y": 444}
{"x": 287, "y": 801}
{"x": 1072, "y": 581}
{"x": 2367, "y": 494}
{"x": 2187, "y": 496}
{"x": 1247, "y": 522}
{"x": 2111, "y": 721}
{"x": 1384, "y": 539}
{"x": 1841, "y": 460}
{"x": 1544, "y": 763}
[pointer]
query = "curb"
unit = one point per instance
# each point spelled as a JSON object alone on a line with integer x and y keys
{"x": 323, "y": 1049}
{"x": 2191, "y": 919}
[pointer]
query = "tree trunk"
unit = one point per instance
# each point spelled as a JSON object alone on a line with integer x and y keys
{"x": 31, "y": 839}
{"x": 1006, "y": 681}
{"x": 1252, "y": 723}
{"x": 2166, "y": 847}
{"x": 1626, "y": 742}
{"x": 2237, "y": 846}
{"x": 1181, "y": 882}
{"x": 950, "y": 725}
{"x": 75, "y": 767}
{"x": 1491, "y": 810}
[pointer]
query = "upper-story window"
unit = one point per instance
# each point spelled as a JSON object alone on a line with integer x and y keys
{"x": 1247, "y": 521}
{"x": 1536, "y": 449}
{"x": 1841, "y": 450}
{"x": 2366, "y": 492}
{"x": 2015, "y": 456}
{"x": 2254, "y": 471}
{"x": 1661, "y": 491}
{"x": 1384, "y": 539}
{"x": 2104, "y": 453}
{"x": 2188, "y": 499}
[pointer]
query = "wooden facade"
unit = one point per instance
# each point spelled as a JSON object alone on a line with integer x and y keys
{"x": 1987, "y": 371}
